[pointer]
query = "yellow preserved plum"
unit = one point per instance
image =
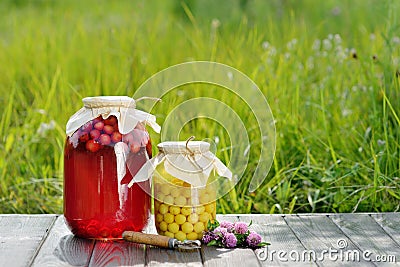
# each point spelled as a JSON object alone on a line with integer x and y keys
{"x": 187, "y": 227}
{"x": 163, "y": 226}
{"x": 199, "y": 227}
{"x": 200, "y": 209}
{"x": 193, "y": 218}
{"x": 191, "y": 236}
{"x": 173, "y": 228}
{"x": 174, "y": 210}
{"x": 204, "y": 217}
{"x": 175, "y": 192}
{"x": 159, "y": 217}
{"x": 169, "y": 234}
{"x": 169, "y": 218}
{"x": 163, "y": 209}
{"x": 180, "y": 219}
{"x": 180, "y": 236}
{"x": 169, "y": 200}
{"x": 180, "y": 201}
{"x": 186, "y": 211}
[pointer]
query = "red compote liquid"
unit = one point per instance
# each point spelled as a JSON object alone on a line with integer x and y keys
{"x": 96, "y": 203}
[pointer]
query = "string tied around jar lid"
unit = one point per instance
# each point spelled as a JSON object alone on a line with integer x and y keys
{"x": 187, "y": 142}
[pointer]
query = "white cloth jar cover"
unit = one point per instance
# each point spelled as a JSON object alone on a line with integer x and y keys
{"x": 124, "y": 109}
{"x": 191, "y": 162}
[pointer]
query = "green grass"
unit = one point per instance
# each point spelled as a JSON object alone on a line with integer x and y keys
{"x": 336, "y": 104}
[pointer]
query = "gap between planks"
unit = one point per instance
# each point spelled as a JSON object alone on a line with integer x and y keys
{"x": 43, "y": 239}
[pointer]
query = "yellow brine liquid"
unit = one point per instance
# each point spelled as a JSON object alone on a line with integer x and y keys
{"x": 181, "y": 211}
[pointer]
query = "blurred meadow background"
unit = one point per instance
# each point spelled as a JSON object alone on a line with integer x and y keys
{"x": 329, "y": 70}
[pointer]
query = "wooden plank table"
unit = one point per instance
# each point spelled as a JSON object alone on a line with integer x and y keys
{"x": 301, "y": 240}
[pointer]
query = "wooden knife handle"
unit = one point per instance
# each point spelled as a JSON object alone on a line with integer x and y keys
{"x": 149, "y": 239}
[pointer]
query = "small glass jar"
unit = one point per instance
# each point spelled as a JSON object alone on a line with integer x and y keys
{"x": 185, "y": 188}
{"x": 100, "y": 157}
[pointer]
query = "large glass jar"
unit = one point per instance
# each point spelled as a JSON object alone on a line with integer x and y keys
{"x": 100, "y": 158}
{"x": 185, "y": 188}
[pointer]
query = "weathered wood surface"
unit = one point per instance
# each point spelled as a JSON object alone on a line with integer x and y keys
{"x": 274, "y": 229}
{"x": 390, "y": 222}
{"x": 163, "y": 257}
{"x": 61, "y": 248}
{"x": 317, "y": 229}
{"x": 21, "y": 236}
{"x": 369, "y": 237}
{"x": 44, "y": 240}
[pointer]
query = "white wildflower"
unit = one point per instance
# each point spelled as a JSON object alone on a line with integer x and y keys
{"x": 396, "y": 40}
{"x": 316, "y": 45}
{"x": 346, "y": 112}
{"x": 372, "y": 37}
{"x": 381, "y": 142}
{"x": 272, "y": 51}
{"x": 41, "y": 111}
{"x": 337, "y": 39}
{"x": 45, "y": 127}
{"x": 327, "y": 44}
{"x": 265, "y": 45}
{"x": 215, "y": 23}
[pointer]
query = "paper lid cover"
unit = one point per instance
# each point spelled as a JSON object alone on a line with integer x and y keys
{"x": 191, "y": 162}
{"x": 183, "y": 147}
{"x": 122, "y": 107}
